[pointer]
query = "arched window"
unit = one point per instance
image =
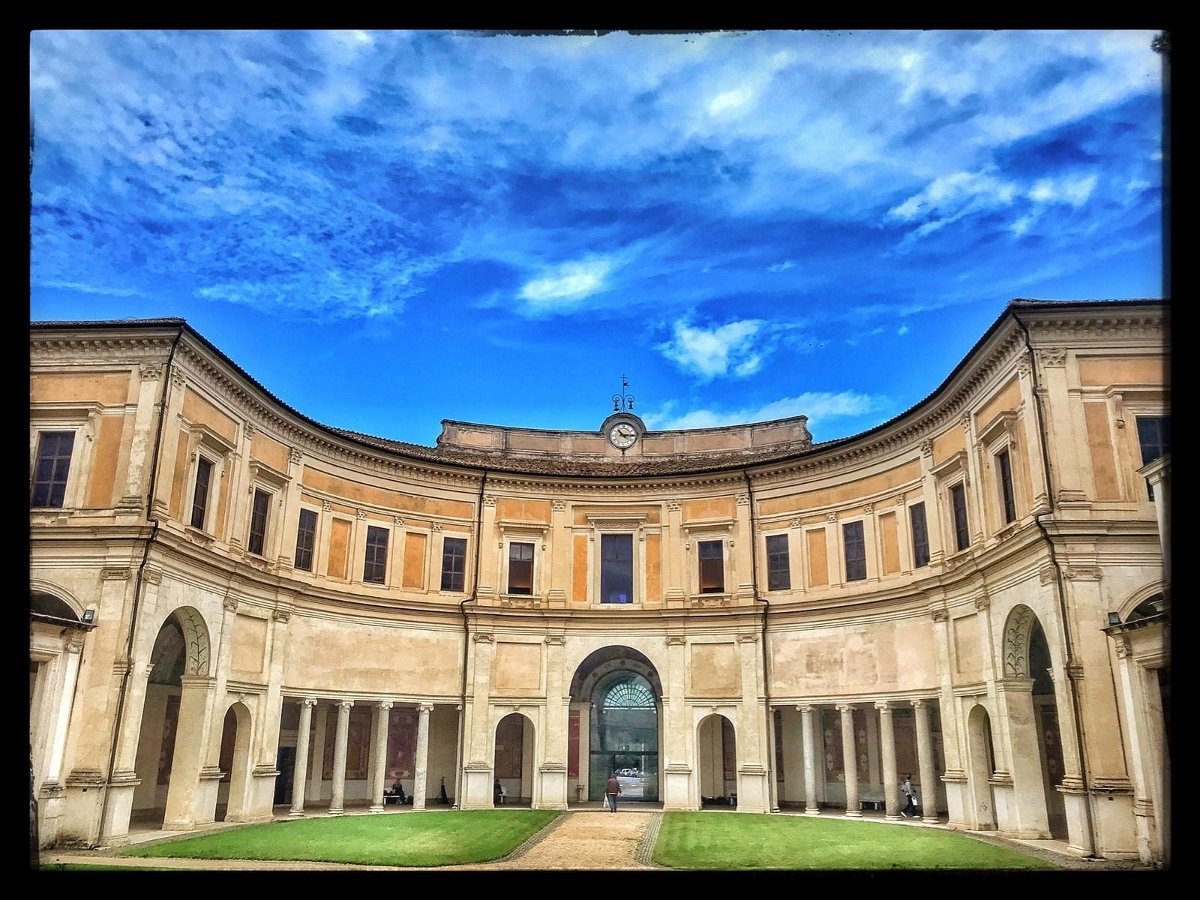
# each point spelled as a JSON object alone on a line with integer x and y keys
{"x": 629, "y": 695}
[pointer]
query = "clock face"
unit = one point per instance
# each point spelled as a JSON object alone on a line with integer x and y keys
{"x": 622, "y": 435}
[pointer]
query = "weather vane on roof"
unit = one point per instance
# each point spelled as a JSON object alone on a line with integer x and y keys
{"x": 623, "y": 400}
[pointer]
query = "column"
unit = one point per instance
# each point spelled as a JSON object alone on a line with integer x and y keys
{"x": 421, "y": 761}
{"x": 811, "y": 808}
{"x": 849, "y": 760}
{"x": 190, "y": 738}
{"x": 379, "y": 755}
{"x": 925, "y": 761}
{"x": 891, "y": 782}
{"x": 58, "y": 742}
{"x": 318, "y": 769}
{"x": 337, "y": 805}
{"x": 302, "y": 747}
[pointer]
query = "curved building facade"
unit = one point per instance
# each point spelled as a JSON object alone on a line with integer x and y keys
{"x": 238, "y": 612}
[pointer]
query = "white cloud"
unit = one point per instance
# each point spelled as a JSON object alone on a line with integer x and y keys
{"x": 1073, "y": 191}
{"x": 781, "y": 267}
{"x": 566, "y": 285}
{"x": 902, "y": 330}
{"x": 820, "y": 406}
{"x": 950, "y": 193}
{"x": 713, "y": 352}
{"x": 729, "y": 100}
{"x": 91, "y": 288}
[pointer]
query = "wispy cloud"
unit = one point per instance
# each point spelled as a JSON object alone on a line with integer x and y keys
{"x": 820, "y": 408}
{"x": 715, "y": 352}
{"x": 564, "y": 285}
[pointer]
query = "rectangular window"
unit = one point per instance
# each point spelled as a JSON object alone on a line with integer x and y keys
{"x": 375, "y": 567}
{"x": 1154, "y": 440}
{"x": 520, "y": 568}
{"x": 712, "y": 567}
{"x": 958, "y": 506}
{"x": 306, "y": 538}
{"x": 1004, "y": 472}
{"x": 51, "y": 468}
{"x": 616, "y": 568}
{"x": 856, "y": 551}
{"x": 454, "y": 563}
{"x": 258, "y": 522}
{"x": 920, "y": 535}
{"x": 779, "y": 575}
{"x": 204, "y": 468}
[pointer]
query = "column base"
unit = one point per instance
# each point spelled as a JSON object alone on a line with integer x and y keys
{"x": 814, "y": 811}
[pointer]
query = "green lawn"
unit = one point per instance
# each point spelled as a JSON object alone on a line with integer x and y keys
{"x": 701, "y": 840}
{"x": 686, "y": 841}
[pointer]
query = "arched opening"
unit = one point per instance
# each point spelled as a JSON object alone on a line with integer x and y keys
{"x": 232, "y": 790}
{"x": 180, "y": 648}
{"x": 513, "y": 761}
{"x": 1048, "y": 732}
{"x": 716, "y": 761}
{"x": 615, "y": 726}
{"x": 982, "y": 762}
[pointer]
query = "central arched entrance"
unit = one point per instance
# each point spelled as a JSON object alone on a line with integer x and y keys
{"x": 617, "y": 725}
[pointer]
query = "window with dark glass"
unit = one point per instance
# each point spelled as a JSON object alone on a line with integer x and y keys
{"x": 204, "y": 468}
{"x": 306, "y": 537}
{"x": 920, "y": 535}
{"x": 375, "y": 567}
{"x": 856, "y": 551}
{"x": 779, "y": 575}
{"x": 712, "y": 567}
{"x": 454, "y": 563}
{"x": 51, "y": 468}
{"x": 258, "y": 522}
{"x": 958, "y": 507}
{"x": 1004, "y": 471}
{"x": 520, "y": 568}
{"x": 1154, "y": 440}
{"x": 616, "y": 568}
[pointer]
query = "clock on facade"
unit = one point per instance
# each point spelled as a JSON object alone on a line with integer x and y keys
{"x": 622, "y": 435}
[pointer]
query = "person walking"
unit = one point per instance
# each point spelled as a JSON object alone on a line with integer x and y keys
{"x": 611, "y": 790}
{"x": 910, "y": 798}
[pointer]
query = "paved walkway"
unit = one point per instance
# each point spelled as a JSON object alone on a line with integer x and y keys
{"x": 587, "y": 838}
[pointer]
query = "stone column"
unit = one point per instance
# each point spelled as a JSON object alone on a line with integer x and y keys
{"x": 58, "y": 742}
{"x": 379, "y": 755}
{"x": 849, "y": 760}
{"x": 317, "y": 775}
{"x": 337, "y": 805}
{"x": 811, "y": 807}
{"x": 421, "y": 761}
{"x": 300, "y": 774}
{"x": 190, "y": 739}
{"x": 887, "y": 740}
{"x": 925, "y": 761}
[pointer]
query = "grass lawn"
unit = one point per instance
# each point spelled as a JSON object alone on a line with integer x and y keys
{"x": 414, "y": 839}
{"x": 746, "y": 841}
{"x": 694, "y": 841}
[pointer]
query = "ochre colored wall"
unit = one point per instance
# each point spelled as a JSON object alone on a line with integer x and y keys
{"x": 269, "y": 451}
{"x": 844, "y": 493}
{"x": 714, "y": 670}
{"x": 1006, "y": 400}
{"x": 818, "y": 565}
{"x": 653, "y": 546}
{"x": 512, "y": 509}
{"x": 516, "y": 668}
{"x": 414, "y": 560}
{"x": 352, "y": 491}
{"x": 249, "y": 647}
{"x": 968, "y": 663}
{"x": 339, "y": 548}
{"x": 1100, "y": 447}
{"x": 107, "y": 390}
{"x": 178, "y": 478}
{"x": 890, "y": 541}
{"x": 579, "y": 568}
{"x": 1105, "y": 370}
{"x": 947, "y": 444}
{"x": 199, "y": 411}
{"x": 104, "y": 462}
{"x": 714, "y": 508}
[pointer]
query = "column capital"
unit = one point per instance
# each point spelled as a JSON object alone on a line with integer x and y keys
{"x": 884, "y": 706}
{"x": 425, "y": 708}
{"x": 385, "y": 704}
{"x": 345, "y": 704}
{"x": 310, "y": 702}
{"x": 845, "y": 707}
{"x": 917, "y": 704}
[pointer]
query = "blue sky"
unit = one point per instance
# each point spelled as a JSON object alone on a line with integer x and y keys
{"x": 391, "y": 228}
